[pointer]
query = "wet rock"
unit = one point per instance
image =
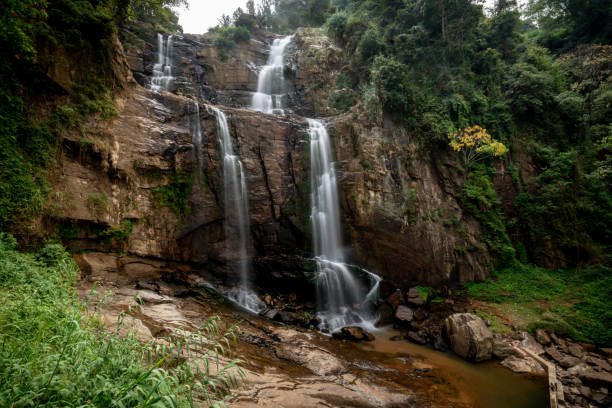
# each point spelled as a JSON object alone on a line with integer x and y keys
{"x": 569, "y": 361}
{"x": 607, "y": 351}
{"x": 439, "y": 343}
{"x": 468, "y": 336}
{"x": 542, "y": 337}
{"x": 575, "y": 350}
{"x": 598, "y": 362}
{"x": 558, "y": 341}
{"x": 384, "y": 314}
{"x": 414, "y": 297}
{"x": 502, "y": 348}
{"x": 317, "y": 360}
{"x": 269, "y": 313}
{"x": 404, "y": 314}
{"x": 585, "y": 391}
{"x": 529, "y": 342}
{"x": 523, "y": 365}
{"x": 395, "y": 299}
{"x": 286, "y": 317}
{"x": 553, "y": 353}
{"x": 420, "y": 314}
{"x": 594, "y": 379}
{"x": 353, "y": 333}
{"x": 417, "y": 338}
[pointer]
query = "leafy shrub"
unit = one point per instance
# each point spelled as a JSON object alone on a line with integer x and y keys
{"x": 227, "y": 37}
{"x": 336, "y": 24}
{"x": 175, "y": 194}
{"x": 56, "y": 353}
{"x": 51, "y": 254}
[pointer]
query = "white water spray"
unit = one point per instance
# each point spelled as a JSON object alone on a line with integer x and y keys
{"x": 162, "y": 71}
{"x": 342, "y": 299}
{"x": 236, "y": 224}
{"x": 271, "y": 81}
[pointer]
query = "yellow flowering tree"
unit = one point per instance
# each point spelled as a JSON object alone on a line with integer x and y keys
{"x": 474, "y": 144}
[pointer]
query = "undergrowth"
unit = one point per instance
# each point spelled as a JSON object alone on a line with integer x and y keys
{"x": 54, "y": 352}
{"x": 576, "y": 303}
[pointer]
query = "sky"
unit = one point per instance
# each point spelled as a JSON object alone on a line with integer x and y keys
{"x": 203, "y": 14}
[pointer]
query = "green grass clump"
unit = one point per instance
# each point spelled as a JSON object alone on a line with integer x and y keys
{"x": 55, "y": 353}
{"x": 577, "y": 303}
{"x": 175, "y": 194}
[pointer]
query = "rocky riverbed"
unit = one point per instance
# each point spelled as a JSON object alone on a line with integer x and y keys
{"x": 292, "y": 366}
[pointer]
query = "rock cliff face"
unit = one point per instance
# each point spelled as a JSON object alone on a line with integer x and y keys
{"x": 146, "y": 184}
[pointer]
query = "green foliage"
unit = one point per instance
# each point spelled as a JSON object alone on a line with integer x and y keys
{"x": 55, "y": 352}
{"x": 98, "y": 203}
{"x": 117, "y": 233}
{"x": 577, "y": 303}
{"x": 336, "y": 24}
{"x": 158, "y": 13}
{"x": 175, "y": 194}
{"x": 227, "y": 37}
{"x": 480, "y": 199}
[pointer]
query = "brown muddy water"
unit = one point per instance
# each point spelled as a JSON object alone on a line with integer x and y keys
{"x": 484, "y": 385}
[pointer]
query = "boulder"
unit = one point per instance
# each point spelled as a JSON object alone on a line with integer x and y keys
{"x": 542, "y": 337}
{"x": 594, "y": 379}
{"x": 353, "y": 333}
{"x": 575, "y": 350}
{"x": 395, "y": 299}
{"x": 414, "y": 297}
{"x": 523, "y": 365}
{"x": 529, "y": 342}
{"x": 598, "y": 362}
{"x": 469, "y": 336}
{"x": 269, "y": 313}
{"x": 420, "y": 314}
{"x": 502, "y": 348}
{"x": 404, "y": 314}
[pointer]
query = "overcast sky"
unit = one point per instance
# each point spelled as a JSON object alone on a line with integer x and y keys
{"x": 203, "y": 14}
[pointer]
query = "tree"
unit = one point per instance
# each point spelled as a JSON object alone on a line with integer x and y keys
{"x": 250, "y": 6}
{"x": 475, "y": 144}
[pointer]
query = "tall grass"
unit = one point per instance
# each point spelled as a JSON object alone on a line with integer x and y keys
{"x": 55, "y": 353}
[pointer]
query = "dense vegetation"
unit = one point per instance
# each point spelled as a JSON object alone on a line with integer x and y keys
{"x": 56, "y": 351}
{"x": 537, "y": 80}
{"x": 36, "y": 38}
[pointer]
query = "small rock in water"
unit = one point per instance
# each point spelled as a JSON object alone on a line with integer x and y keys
{"x": 353, "y": 333}
{"x": 404, "y": 314}
{"x": 439, "y": 343}
{"x": 269, "y": 313}
{"x": 416, "y": 338}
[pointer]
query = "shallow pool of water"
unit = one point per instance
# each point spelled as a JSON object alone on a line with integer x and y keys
{"x": 485, "y": 385}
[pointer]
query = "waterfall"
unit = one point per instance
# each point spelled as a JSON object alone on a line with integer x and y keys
{"x": 342, "y": 299}
{"x": 236, "y": 224}
{"x": 271, "y": 80}
{"x": 162, "y": 71}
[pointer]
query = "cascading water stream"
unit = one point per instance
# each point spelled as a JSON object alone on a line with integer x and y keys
{"x": 342, "y": 299}
{"x": 162, "y": 71}
{"x": 271, "y": 80}
{"x": 236, "y": 205}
